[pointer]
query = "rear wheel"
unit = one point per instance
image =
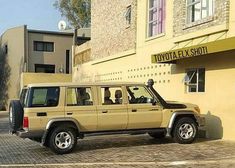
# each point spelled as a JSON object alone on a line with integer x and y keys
{"x": 63, "y": 140}
{"x": 16, "y": 114}
{"x": 185, "y": 130}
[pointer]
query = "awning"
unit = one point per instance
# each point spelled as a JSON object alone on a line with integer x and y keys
{"x": 193, "y": 51}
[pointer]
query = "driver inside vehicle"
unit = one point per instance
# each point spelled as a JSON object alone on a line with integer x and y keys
{"x": 139, "y": 95}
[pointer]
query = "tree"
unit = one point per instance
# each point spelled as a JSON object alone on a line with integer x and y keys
{"x": 4, "y": 79}
{"x": 77, "y": 12}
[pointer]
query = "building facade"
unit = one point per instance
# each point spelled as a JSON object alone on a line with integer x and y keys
{"x": 118, "y": 33}
{"x": 186, "y": 46}
{"x": 37, "y": 51}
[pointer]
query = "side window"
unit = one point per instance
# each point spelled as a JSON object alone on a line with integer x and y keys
{"x": 139, "y": 95}
{"x": 156, "y": 17}
{"x": 199, "y": 9}
{"x": 23, "y": 96}
{"x": 79, "y": 96}
{"x": 128, "y": 15}
{"x": 111, "y": 95}
{"x": 45, "y": 97}
{"x": 71, "y": 97}
{"x": 195, "y": 80}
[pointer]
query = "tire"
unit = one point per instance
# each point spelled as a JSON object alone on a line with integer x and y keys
{"x": 185, "y": 130}
{"x": 62, "y": 140}
{"x": 157, "y": 135}
{"x": 16, "y": 114}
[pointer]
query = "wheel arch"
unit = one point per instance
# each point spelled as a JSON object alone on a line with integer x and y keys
{"x": 176, "y": 116}
{"x": 69, "y": 122}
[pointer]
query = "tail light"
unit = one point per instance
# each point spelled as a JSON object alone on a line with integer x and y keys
{"x": 26, "y": 123}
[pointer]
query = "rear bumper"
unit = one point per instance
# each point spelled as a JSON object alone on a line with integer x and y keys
{"x": 29, "y": 134}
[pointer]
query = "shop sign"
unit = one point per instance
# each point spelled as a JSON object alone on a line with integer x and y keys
{"x": 199, "y": 50}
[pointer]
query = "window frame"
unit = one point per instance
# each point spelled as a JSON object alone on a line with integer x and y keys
{"x": 147, "y": 91}
{"x": 31, "y": 94}
{"x": 188, "y": 84}
{"x": 190, "y": 12}
{"x": 149, "y": 33}
{"x": 101, "y": 98}
{"x": 45, "y": 47}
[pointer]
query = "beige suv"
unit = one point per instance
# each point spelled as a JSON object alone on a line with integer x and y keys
{"x": 58, "y": 114}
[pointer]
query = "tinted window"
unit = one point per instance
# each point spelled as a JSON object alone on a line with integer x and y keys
{"x": 44, "y": 68}
{"x": 43, "y": 46}
{"x": 44, "y": 97}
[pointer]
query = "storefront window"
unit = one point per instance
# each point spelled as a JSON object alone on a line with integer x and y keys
{"x": 156, "y": 17}
{"x": 195, "y": 80}
{"x": 199, "y": 9}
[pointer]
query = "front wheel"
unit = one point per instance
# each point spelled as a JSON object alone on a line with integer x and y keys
{"x": 185, "y": 130}
{"x": 63, "y": 140}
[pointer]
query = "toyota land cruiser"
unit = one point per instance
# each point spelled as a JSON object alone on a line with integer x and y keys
{"x": 58, "y": 114}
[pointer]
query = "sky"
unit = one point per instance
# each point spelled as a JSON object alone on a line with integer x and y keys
{"x": 36, "y": 14}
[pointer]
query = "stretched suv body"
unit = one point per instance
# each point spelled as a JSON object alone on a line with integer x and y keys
{"x": 57, "y": 114}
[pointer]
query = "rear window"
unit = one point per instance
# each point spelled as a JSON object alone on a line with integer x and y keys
{"x": 44, "y": 97}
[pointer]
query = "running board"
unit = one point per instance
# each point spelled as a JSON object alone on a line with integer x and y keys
{"x": 131, "y": 132}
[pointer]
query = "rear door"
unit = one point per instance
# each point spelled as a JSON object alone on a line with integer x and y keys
{"x": 112, "y": 109}
{"x": 80, "y": 105}
{"x": 44, "y": 104}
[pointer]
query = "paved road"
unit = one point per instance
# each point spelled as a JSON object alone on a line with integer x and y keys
{"x": 116, "y": 151}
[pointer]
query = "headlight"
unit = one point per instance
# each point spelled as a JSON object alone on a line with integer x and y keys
{"x": 197, "y": 109}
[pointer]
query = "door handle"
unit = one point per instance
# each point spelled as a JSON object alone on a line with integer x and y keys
{"x": 134, "y": 110}
{"x": 41, "y": 114}
{"x": 105, "y": 111}
{"x": 154, "y": 110}
{"x": 69, "y": 113}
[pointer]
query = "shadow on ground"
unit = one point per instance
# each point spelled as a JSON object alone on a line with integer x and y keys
{"x": 124, "y": 141}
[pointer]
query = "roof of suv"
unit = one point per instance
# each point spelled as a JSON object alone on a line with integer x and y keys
{"x": 83, "y": 84}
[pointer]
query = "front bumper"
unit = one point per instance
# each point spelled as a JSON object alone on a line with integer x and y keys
{"x": 201, "y": 121}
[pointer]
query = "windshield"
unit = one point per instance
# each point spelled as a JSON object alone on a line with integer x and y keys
{"x": 159, "y": 98}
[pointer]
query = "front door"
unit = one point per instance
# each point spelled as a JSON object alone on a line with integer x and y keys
{"x": 142, "y": 112}
{"x": 112, "y": 111}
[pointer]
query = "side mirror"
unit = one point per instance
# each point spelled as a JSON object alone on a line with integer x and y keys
{"x": 153, "y": 101}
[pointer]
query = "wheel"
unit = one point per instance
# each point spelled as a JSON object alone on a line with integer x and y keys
{"x": 63, "y": 140}
{"x": 185, "y": 130}
{"x": 157, "y": 135}
{"x": 16, "y": 114}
